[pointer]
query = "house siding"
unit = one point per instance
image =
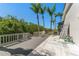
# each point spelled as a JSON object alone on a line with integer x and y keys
{"x": 72, "y": 19}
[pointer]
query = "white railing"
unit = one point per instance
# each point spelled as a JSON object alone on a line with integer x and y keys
{"x": 9, "y": 38}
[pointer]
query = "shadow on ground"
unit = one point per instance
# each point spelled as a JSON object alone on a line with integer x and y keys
{"x": 43, "y": 53}
{"x": 20, "y": 52}
{"x": 17, "y": 51}
{"x": 35, "y": 54}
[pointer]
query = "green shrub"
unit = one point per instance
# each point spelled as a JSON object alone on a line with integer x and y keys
{"x": 68, "y": 39}
{"x": 10, "y": 24}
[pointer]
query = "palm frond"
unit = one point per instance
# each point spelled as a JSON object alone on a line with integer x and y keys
{"x": 38, "y": 5}
{"x": 44, "y": 8}
{"x": 54, "y": 8}
{"x": 41, "y": 10}
{"x": 34, "y": 8}
{"x": 60, "y": 14}
{"x": 49, "y": 11}
{"x": 55, "y": 14}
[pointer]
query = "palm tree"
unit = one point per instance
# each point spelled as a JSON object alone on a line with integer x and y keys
{"x": 59, "y": 27}
{"x": 60, "y": 14}
{"x": 55, "y": 15}
{"x": 51, "y": 13}
{"x": 61, "y": 22}
{"x": 35, "y": 8}
{"x": 42, "y": 11}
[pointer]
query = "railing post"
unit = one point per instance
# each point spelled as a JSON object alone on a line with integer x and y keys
{"x": 17, "y": 36}
{"x": 6, "y": 39}
{"x": 9, "y": 38}
{"x": 23, "y": 36}
{"x": 3, "y": 39}
{"x": 13, "y": 37}
{"x": 0, "y": 40}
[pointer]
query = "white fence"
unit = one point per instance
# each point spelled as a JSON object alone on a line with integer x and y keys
{"x": 9, "y": 38}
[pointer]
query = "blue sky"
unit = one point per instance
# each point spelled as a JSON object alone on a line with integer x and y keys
{"x": 22, "y": 10}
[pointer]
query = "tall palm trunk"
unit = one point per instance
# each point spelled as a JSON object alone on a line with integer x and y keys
{"x": 51, "y": 23}
{"x": 43, "y": 20}
{"x": 38, "y": 23}
{"x": 55, "y": 23}
{"x": 61, "y": 18}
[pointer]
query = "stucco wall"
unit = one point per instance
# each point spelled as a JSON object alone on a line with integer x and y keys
{"x": 72, "y": 18}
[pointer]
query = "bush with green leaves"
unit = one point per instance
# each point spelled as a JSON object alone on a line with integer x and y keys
{"x": 10, "y": 24}
{"x": 68, "y": 39}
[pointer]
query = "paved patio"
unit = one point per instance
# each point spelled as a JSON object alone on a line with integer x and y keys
{"x": 41, "y": 46}
{"x": 23, "y": 48}
{"x": 53, "y": 46}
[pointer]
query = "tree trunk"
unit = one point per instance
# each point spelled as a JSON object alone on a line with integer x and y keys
{"x": 43, "y": 20}
{"x": 61, "y": 18}
{"x": 51, "y": 23}
{"x": 55, "y": 23}
{"x": 38, "y": 24}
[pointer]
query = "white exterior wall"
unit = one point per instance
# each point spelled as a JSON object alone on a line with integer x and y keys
{"x": 72, "y": 18}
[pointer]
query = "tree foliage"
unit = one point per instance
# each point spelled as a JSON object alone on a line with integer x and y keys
{"x": 11, "y": 24}
{"x": 51, "y": 12}
{"x": 42, "y": 11}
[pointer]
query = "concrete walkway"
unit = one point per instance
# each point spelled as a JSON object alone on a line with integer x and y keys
{"x": 41, "y": 46}
{"x": 53, "y": 46}
{"x": 22, "y": 48}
